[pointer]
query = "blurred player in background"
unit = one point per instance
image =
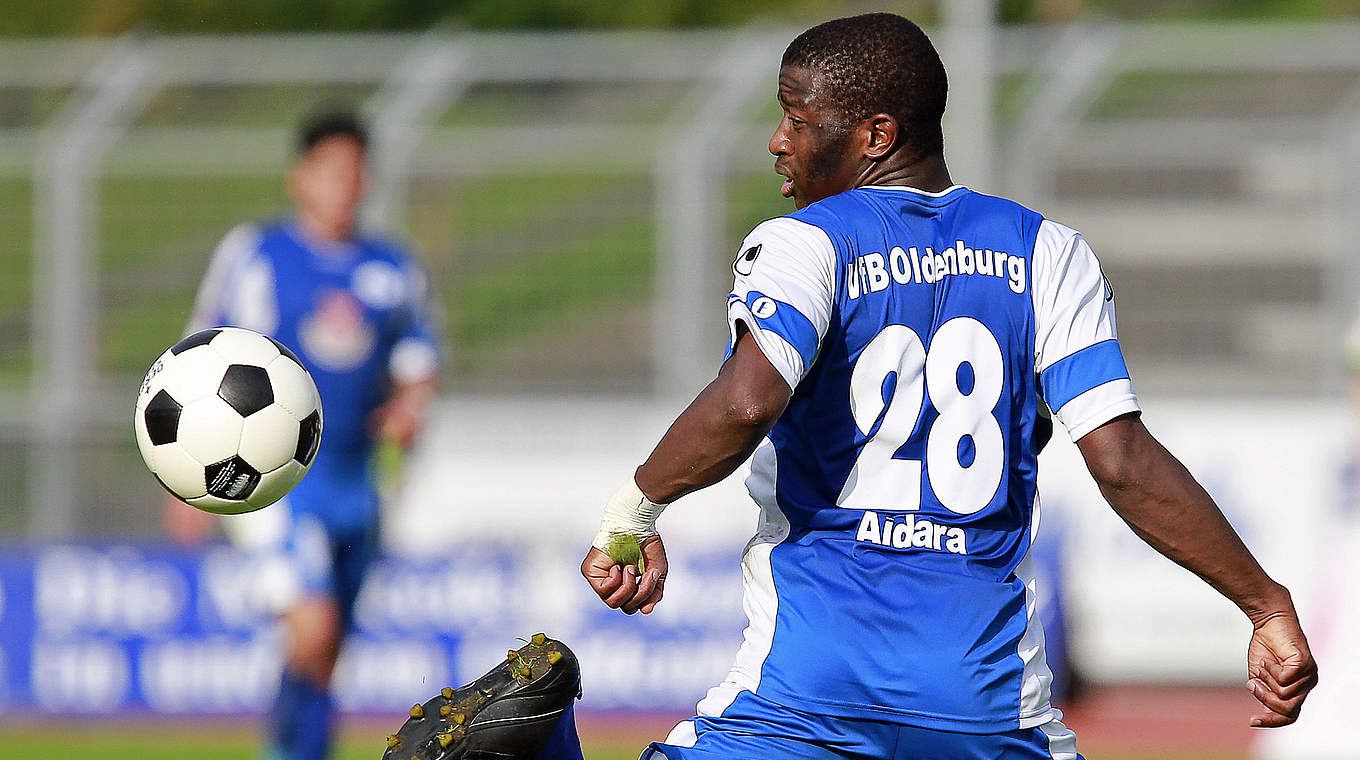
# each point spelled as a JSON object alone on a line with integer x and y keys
{"x": 896, "y": 346}
{"x": 354, "y": 308}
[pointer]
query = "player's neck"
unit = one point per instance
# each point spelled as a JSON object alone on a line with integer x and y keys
{"x": 929, "y": 174}
{"x": 319, "y": 231}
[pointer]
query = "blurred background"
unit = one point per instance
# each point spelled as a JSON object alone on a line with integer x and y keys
{"x": 576, "y": 176}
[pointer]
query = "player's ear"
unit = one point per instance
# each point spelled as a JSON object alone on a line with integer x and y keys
{"x": 882, "y": 132}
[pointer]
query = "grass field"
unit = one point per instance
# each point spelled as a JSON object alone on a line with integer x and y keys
{"x": 223, "y": 741}
{"x": 1112, "y": 723}
{"x": 108, "y": 743}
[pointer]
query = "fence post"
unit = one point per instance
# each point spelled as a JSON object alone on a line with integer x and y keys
{"x": 1343, "y": 290}
{"x": 689, "y": 176}
{"x": 968, "y": 47}
{"x": 65, "y": 242}
{"x": 1072, "y": 74}
{"x": 426, "y": 82}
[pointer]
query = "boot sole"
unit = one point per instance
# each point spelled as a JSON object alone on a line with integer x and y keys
{"x": 507, "y": 714}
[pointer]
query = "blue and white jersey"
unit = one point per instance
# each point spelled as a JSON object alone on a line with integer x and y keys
{"x": 356, "y": 314}
{"x": 925, "y": 337}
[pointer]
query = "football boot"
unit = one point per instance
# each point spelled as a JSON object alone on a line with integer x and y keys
{"x": 507, "y": 714}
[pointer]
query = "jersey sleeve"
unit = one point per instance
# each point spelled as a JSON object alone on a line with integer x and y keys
{"x": 782, "y": 292}
{"x": 1082, "y": 374}
{"x": 238, "y": 288}
{"x": 415, "y": 352}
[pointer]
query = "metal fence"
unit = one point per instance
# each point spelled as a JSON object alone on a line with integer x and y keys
{"x": 577, "y": 197}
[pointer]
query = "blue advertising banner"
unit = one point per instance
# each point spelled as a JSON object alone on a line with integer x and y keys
{"x": 101, "y": 629}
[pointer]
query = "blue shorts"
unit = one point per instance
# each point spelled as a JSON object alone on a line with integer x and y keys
{"x": 753, "y": 727}
{"x": 331, "y": 563}
{"x": 301, "y": 556}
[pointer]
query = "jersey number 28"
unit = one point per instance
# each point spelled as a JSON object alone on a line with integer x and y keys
{"x": 881, "y": 481}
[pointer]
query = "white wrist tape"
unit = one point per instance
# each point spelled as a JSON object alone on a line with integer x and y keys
{"x": 628, "y": 513}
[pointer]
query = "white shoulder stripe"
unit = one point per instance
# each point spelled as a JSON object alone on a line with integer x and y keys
{"x": 797, "y": 235}
{"x": 1074, "y": 309}
{"x": 784, "y": 357}
{"x": 236, "y": 248}
{"x": 1097, "y": 406}
{"x": 792, "y": 263}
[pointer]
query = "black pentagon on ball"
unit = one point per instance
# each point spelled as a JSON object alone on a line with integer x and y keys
{"x": 286, "y": 351}
{"x": 246, "y": 389}
{"x": 231, "y": 479}
{"x": 162, "y": 418}
{"x": 202, "y": 337}
{"x": 309, "y": 438}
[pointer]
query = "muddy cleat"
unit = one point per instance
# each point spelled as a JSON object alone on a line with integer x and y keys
{"x": 507, "y": 714}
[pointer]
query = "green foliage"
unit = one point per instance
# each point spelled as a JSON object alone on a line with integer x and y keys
{"x": 1228, "y": 9}
{"x": 114, "y": 16}
{"x": 1012, "y": 11}
{"x": 574, "y": 14}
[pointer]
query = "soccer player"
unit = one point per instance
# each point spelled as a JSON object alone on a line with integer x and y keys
{"x": 898, "y": 344}
{"x": 353, "y": 307}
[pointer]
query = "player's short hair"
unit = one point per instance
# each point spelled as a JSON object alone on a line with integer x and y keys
{"x": 878, "y": 63}
{"x": 331, "y": 121}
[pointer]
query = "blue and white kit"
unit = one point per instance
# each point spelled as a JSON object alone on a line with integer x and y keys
{"x": 925, "y": 336}
{"x": 356, "y": 313}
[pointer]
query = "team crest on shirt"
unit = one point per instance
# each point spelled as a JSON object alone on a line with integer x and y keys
{"x": 745, "y": 262}
{"x": 336, "y": 336}
{"x": 378, "y": 284}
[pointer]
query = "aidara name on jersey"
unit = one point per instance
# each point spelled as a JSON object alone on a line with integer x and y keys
{"x": 873, "y": 272}
{"x": 911, "y": 533}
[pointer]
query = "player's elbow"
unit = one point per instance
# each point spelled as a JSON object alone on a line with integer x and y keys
{"x": 753, "y": 411}
{"x": 1114, "y": 472}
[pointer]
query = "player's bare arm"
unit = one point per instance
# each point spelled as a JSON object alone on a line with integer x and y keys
{"x": 719, "y": 429}
{"x": 399, "y": 419}
{"x": 706, "y": 443}
{"x": 1159, "y": 499}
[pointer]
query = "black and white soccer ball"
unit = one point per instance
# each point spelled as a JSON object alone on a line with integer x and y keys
{"x": 228, "y": 420}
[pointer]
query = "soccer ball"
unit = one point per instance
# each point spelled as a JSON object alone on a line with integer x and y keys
{"x": 228, "y": 420}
